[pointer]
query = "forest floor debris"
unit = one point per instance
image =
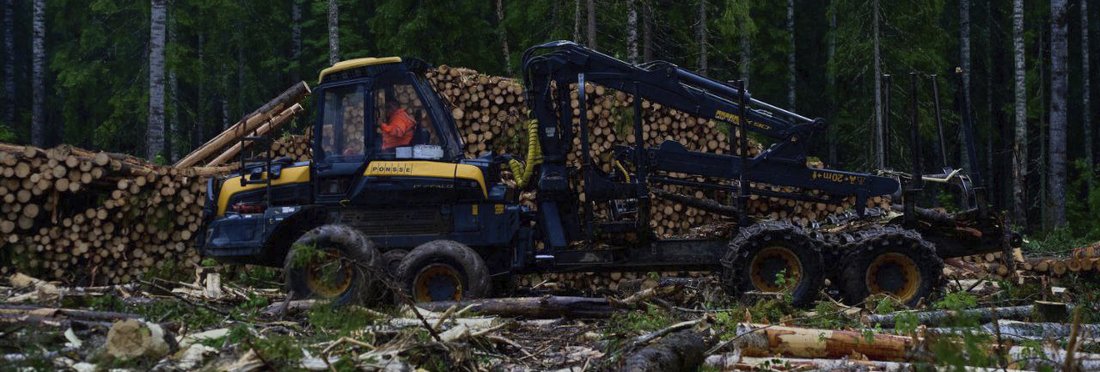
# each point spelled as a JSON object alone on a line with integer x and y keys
{"x": 238, "y": 319}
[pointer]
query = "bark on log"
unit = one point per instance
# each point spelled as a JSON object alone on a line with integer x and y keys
{"x": 680, "y": 351}
{"x": 270, "y": 125}
{"x": 734, "y": 361}
{"x": 1023, "y": 330}
{"x": 939, "y": 317}
{"x": 292, "y": 95}
{"x": 766, "y": 340}
{"x": 532, "y": 307}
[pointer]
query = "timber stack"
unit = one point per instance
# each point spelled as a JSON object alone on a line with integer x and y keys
{"x": 1081, "y": 261}
{"x": 95, "y": 217}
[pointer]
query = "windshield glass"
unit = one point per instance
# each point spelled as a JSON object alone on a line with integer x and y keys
{"x": 342, "y": 124}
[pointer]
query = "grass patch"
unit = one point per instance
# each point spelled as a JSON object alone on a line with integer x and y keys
{"x": 638, "y": 322}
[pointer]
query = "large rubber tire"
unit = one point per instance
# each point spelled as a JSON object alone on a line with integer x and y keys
{"x": 890, "y": 259}
{"x": 353, "y": 280}
{"x": 391, "y": 260}
{"x": 444, "y": 270}
{"x": 762, "y": 251}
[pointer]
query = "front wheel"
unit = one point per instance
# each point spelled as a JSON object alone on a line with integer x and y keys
{"x": 444, "y": 270}
{"x": 333, "y": 262}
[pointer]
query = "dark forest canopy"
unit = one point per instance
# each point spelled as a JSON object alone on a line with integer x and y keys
{"x": 223, "y": 58}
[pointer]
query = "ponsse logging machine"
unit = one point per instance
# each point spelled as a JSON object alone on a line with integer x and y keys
{"x": 445, "y": 227}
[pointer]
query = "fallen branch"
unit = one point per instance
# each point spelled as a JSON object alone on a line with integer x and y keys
{"x": 532, "y": 307}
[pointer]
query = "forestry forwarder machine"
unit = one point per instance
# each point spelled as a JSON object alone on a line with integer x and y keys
{"x": 445, "y": 227}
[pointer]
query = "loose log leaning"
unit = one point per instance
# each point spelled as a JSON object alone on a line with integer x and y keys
{"x": 546, "y": 307}
{"x": 289, "y": 97}
{"x": 272, "y": 124}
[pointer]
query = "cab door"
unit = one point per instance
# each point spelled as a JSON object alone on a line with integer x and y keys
{"x": 341, "y": 154}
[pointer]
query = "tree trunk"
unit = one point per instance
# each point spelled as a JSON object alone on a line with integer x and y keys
{"x": 964, "y": 62}
{"x": 1044, "y": 123}
{"x": 830, "y": 80}
{"x": 1019, "y": 146}
{"x": 154, "y": 136}
{"x": 647, "y": 37}
{"x": 880, "y": 150}
{"x": 996, "y": 188}
{"x": 631, "y": 31}
{"x": 38, "y": 75}
{"x": 503, "y": 38}
{"x": 1059, "y": 85}
{"x": 333, "y": 32}
{"x": 1086, "y": 111}
{"x": 746, "y": 47}
{"x": 197, "y": 133}
{"x": 791, "y": 82}
{"x": 577, "y": 21}
{"x": 9, "y": 63}
{"x": 591, "y": 24}
{"x": 172, "y": 111}
{"x": 701, "y": 36}
{"x": 295, "y": 40}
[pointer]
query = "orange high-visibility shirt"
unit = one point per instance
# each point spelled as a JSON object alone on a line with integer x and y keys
{"x": 399, "y": 130}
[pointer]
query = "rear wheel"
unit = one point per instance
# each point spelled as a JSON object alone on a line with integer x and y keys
{"x": 392, "y": 259}
{"x": 892, "y": 261}
{"x": 444, "y": 270}
{"x": 774, "y": 257}
{"x": 332, "y": 262}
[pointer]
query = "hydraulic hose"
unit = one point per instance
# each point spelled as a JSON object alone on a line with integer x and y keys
{"x": 522, "y": 171}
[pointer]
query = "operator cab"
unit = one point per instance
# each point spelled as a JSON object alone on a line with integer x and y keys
{"x": 381, "y": 108}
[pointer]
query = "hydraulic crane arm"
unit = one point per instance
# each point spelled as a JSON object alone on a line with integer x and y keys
{"x": 661, "y": 82}
{"x": 553, "y": 70}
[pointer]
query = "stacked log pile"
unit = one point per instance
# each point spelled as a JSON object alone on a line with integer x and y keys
{"x": 95, "y": 217}
{"x": 1082, "y": 260}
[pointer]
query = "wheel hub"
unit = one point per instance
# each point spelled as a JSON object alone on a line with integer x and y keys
{"x": 895, "y": 274}
{"x": 438, "y": 282}
{"x": 772, "y": 263}
{"x": 329, "y": 275}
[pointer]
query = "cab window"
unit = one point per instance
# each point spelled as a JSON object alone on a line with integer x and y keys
{"x": 402, "y": 119}
{"x": 343, "y": 123}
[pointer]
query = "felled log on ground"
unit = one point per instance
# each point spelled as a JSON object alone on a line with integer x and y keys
{"x": 736, "y": 362}
{"x": 680, "y": 351}
{"x": 939, "y": 317}
{"x": 767, "y": 340}
{"x": 545, "y": 307}
{"x": 1011, "y": 329}
{"x": 66, "y": 313}
{"x": 1051, "y": 358}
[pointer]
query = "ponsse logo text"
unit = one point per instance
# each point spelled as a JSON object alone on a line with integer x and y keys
{"x": 392, "y": 168}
